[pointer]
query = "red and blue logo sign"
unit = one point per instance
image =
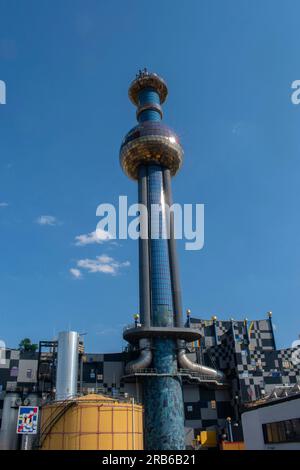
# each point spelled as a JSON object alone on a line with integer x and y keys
{"x": 27, "y": 420}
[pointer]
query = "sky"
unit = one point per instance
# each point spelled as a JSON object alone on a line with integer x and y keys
{"x": 67, "y": 66}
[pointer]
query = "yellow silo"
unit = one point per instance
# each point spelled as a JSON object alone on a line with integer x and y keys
{"x": 92, "y": 422}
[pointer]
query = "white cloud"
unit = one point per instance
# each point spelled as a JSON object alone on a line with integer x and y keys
{"x": 98, "y": 236}
{"x": 4, "y": 204}
{"x": 76, "y": 273}
{"x": 102, "y": 264}
{"x": 47, "y": 220}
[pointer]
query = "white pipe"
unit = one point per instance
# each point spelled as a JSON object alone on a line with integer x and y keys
{"x": 143, "y": 361}
{"x": 186, "y": 363}
{"x": 67, "y": 365}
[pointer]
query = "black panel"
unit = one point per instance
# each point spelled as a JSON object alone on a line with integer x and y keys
{"x": 267, "y": 342}
{"x": 207, "y": 395}
{"x": 195, "y": 413}
{"x": 114, "y": 357}
{"x": 224, "y": 409}
{"x": 273, "y": 380}
{"x": 97, "y": 367}
{"x": 209, "y": 422}
{"x": 14, "y": 363}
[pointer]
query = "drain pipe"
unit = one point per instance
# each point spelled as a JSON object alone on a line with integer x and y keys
{"x": 144, "y": 360}
{"x": 186, "y": 363}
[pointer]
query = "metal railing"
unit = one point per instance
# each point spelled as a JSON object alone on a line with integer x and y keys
{"x": 181, "y": 372}
{"x": 131, "y": 326}
{"x": 62, "y": 407}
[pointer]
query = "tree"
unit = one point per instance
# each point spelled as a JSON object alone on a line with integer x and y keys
{"x": 27, "y": 345}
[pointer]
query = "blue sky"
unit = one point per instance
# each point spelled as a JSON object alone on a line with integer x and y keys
{"x": 67, "y": 66}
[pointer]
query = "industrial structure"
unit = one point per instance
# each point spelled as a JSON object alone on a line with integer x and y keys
{"x": 179, "y": 383}
{"x": 92, "y": 422}
{"x": 151, "y": 153}
{"x": 244, "y": 350}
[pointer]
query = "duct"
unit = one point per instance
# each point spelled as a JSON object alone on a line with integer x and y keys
{"x": 8, "y": 435}
{"x": 144, "y": 269}
{"x": 144, "y": 359}
{"x": 186, "y": 363}
{"x": 67, "y": 365}
{"x": 176, "y": 291}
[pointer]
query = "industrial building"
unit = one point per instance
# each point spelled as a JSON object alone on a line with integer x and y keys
{"x": 274, "y": 423}
{"x": 245, "y": 351}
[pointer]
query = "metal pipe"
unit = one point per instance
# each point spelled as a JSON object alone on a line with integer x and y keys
{"x": 186, "y": 363}
{"x": 81, "y": 373}
{"x": 174, "y": 269}
{"x": 144, "y": 271}
{"x": 67, "y": 365}
{"x": 144, "y": 360}
{"x": 133, "y": 423}
{"x": 8, "y": 436}
{"x": 272, "y": 329}
{"x": 246, "y": 331}
{"x": 214, "y": 319}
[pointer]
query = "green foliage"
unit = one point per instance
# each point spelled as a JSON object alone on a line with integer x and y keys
{"x": 27, "y": 345}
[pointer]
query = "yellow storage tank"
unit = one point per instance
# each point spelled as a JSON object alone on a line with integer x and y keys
{"x": 92, "y": 422}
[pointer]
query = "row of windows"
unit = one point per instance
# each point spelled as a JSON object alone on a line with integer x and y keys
{"x": 282, "y": 431}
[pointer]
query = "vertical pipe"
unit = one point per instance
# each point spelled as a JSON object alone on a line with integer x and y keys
{"x": 133, "y": 425}
{"x": 144, "y": 271}
{"x": 176, "y": 290}
{"x": 214, "y": 319}
{"x": 246, "y": 331}
{"x": 9, "y": 439}
{"x": 232, "y": 329}
{"x": 67, "y": 365}
{"x": 272, "y": 329}
{"x": 81, "y": 373}
{"x": 229, "y": 429}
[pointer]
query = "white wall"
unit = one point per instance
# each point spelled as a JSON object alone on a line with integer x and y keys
{"x": 253, "y": 420}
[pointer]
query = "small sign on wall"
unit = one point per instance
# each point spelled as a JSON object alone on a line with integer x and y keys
{"x": 27, "y": 420}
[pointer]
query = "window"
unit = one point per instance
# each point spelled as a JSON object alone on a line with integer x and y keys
{"x": 286, "y": 364}
{"x": 14, "y": 371}
{"x": 213, "y": 404}
{"x": 189, "y": 408}
{"x": 29, "y": 373}
{"x": 282, "y": 431}
{"x": 259, "y": 364}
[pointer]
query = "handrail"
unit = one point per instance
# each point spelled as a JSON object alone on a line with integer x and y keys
{"x": 62, "y": 407}
{"x": 181, "y": 372}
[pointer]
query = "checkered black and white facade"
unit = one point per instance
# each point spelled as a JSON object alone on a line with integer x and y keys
{"x": 245, "y": 351}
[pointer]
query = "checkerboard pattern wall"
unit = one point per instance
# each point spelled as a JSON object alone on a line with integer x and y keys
{"x": 244, "y": 350}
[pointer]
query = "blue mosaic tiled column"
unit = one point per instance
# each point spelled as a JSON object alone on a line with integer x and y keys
{"x": 151, "y": 154}
{"x": 164, "y": 413}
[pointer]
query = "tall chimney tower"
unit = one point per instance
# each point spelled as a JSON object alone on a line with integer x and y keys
{"x": 151, "y": 154}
